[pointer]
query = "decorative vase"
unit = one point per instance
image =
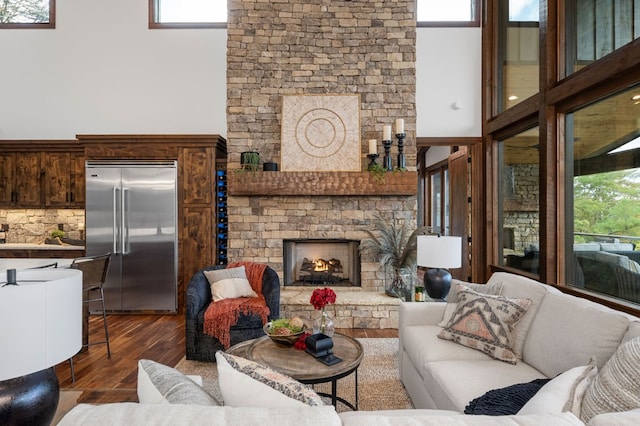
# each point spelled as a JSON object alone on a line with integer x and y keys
{"x": 324, "y": 324}
{"x": 399, "y": 282}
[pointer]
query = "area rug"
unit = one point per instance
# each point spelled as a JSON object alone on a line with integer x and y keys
{"x": 379, "y": 386}
{"x": 68, "y": 400}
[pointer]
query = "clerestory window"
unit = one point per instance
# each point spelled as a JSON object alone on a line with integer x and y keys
{"x": 187, "y": 14}
{"x": 450, "y": 13}
{"x": 27, "y": 13}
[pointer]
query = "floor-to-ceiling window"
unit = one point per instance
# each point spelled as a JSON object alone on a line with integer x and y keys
{"x": 580, "y": 111}
{"x": 603, "y": 196}
{"x": 519, "y": 206}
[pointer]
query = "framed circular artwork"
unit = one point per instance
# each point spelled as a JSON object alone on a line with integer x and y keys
{"x": 321, "y": 133}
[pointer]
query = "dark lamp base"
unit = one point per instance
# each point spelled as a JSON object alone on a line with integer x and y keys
{"x": 437, "y": 283}
{"x": 29, "y": 400}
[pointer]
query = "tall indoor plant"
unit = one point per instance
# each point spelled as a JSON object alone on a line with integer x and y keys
{"x": 394, "y": 245}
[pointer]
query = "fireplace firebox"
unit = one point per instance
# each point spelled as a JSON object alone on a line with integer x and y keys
{"x": 321, "y": 262}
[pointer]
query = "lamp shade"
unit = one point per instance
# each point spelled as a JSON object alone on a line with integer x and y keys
{"x": 40, "y": 320}
{"x": 439, "y": 252}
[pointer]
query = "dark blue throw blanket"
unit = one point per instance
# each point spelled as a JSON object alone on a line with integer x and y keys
{"x": 505, "y": 401}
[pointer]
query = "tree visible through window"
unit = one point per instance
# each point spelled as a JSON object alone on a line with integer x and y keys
{"x": 27, "y": 13}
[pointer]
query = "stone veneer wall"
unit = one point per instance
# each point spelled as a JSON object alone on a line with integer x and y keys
{"x": 292, "y": 47}
{"x": 32, "y": 226}
{"x": 525, "y": 221}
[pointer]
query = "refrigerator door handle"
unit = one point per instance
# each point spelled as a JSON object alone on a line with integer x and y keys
{"x": 115, "y": 220}
{"x": 125, "y": 221}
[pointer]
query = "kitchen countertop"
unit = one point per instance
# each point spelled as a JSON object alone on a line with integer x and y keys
{"x": 27, "y": 246}
{"x": 21, "y": 264}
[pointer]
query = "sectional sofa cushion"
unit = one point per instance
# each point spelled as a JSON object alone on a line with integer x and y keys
{"x": 485, "y": 323}
{"x": 160, "y": 384}
{"x": 592, "y": 331}
{"x": 244, "y": 383}
{"x": 440, "y": 418}
{"x": 522, "y": 287}
{"x": 423, "y": 346}
{"x": 131, "y": 413}
{"x": 617, "y": 386}
{"x": 459, "y": 382}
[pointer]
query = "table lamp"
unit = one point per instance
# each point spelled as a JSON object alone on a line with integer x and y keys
{"x": 438, "y": 253}
{"x": 40, "y": 326}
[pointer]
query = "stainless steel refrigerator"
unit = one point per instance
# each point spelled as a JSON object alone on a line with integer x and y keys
{"x": 131, "y": 211}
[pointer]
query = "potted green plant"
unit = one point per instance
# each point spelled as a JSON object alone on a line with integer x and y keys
{"x": 55, "y": 237}
{"x": 250, "y": 160}
{"x": 394, "y": 245}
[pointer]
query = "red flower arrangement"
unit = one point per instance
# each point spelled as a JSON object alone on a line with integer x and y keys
{"x": 301, "y": 343}
{"x": 322, "y": 297}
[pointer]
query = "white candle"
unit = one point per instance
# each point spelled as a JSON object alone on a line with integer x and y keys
{"x": 373, "y": 147}
{"x": 399, "y": 126}
{"x": 386, "y": 133}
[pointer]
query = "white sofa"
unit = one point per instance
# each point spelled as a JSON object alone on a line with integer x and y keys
{"x": 190, "y": 415}
{"x": 557, "y": 332}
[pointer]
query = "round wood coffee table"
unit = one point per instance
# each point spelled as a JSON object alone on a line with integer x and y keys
{"x": 304, "y": 367}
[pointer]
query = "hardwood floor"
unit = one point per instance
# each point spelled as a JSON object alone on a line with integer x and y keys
{"x": 133, "y": 337}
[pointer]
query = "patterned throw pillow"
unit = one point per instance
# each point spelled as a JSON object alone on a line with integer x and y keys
{"x": 245, "y": 383}
{"x": 494, "y": 289}
{"x": 617, "y": 387}
{"x": 485, "y": 323}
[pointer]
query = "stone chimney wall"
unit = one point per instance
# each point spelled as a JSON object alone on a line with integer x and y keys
{"x": 287, "y": 47}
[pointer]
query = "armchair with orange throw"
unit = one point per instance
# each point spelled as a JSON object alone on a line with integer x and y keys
{"x": 232, "y": 312}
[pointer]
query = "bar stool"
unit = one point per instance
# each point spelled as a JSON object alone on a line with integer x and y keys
{"x": 94, "y": 274}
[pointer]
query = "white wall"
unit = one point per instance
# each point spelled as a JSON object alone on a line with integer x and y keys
{"x": 103, "y": 71}
{"x": 448, "y": 68}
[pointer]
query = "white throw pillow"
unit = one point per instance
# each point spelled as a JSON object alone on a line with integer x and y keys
{"x": 563, "y": 393}
{"x": 244, "y": 383}
{"x": 160, "y": 384}
{"x": 229, "y": 283}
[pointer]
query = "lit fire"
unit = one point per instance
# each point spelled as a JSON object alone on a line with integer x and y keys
{"x": 321, "y": 265}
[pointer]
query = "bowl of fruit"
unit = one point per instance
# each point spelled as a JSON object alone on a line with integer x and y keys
{"x": 285, "y": 331}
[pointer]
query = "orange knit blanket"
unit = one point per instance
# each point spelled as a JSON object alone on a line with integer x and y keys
{"x": 221, "y": 315}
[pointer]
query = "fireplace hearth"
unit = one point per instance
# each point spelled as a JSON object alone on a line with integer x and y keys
{"x": 317, "y": 262}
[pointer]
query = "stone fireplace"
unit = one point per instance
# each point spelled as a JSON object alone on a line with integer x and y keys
{"x": 316, "y": 47}
{"x": 321, "y": 262}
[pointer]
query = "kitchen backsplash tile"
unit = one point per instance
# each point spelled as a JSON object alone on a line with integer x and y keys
{"x": 32, "y": 226}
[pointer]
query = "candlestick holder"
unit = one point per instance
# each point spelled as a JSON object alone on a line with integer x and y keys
{"x": 387, "y": 155}
{"x": 401, "y": 160}
{"x": 372, "y": 161}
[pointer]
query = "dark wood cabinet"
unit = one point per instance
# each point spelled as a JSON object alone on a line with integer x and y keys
{"x": 20, "y": 179}
{"x": 63, "y": 179}
{"x": 6, "y": 178}
{"x": 41, "y": 174}
{"x": 198, "y": 175}
{"x": 57, "y": 179}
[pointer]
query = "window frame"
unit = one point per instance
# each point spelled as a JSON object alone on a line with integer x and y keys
{"x": 153, "y": 24}
{"x": 475, "y": 22}
{"x": 30, "y": 25}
